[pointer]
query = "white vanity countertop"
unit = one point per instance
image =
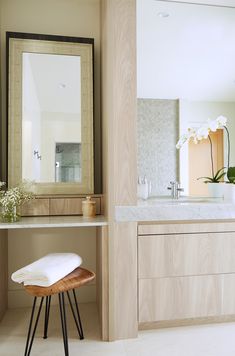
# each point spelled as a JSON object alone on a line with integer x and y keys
{"x": 55, "y": 221}
{"x": 165, "y": 209}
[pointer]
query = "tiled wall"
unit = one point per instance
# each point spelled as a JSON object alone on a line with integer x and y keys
{"x": 158, "y": 127}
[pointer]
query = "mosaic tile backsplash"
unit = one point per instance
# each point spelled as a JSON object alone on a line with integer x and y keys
{"x": 158, "y": 127}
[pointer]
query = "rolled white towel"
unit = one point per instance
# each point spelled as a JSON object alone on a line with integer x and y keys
{"x": 48, "y": 269}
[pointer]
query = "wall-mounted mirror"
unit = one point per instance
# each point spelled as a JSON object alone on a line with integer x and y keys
{"x": 50, "y": 113}
{"x": 186, "y": 75}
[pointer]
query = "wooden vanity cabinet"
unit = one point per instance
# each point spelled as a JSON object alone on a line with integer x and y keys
{"x": 186, "y": 272}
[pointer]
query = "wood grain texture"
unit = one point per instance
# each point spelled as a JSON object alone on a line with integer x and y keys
{"x": 70, "y": 206}
{"x": 118, "y": 30}
{"x": 183, "y": 227}
{"x": 37, "y": 207}
{"x": 228, "y": 293}
{"x": 3, "y": 272}
{"x": 76, "y": 279}
{"x": 59, "y": 205}
{"x": 123, "y": 281}
{"x": 119, "y": 101}
{"x": 186, "y": 254}
{"x": 102, "y": 280}
{"x": 180, "y": 298}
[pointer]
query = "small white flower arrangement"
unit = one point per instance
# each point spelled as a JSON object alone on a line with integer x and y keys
{"x": 12, "y": 199}
{"x": 203, "y": 132}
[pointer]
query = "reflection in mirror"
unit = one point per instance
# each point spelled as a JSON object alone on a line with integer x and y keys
{"x": 185, "y": 76}
{"x": 51, "y": 113}
{"x": 68, "y": 162}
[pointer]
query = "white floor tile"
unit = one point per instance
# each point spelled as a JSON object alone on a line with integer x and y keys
{"x": 205, "y": 340}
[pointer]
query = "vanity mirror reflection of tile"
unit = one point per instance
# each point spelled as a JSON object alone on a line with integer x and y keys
{"x": 185, "y": 59}
{"x": 50, "y": 113}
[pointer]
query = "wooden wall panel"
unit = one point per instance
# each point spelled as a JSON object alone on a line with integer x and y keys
{"x": 70, "y": 206}
{"x": 37, "y": 207}
{"x": 3, "y": 272}
{"x": 118, "y": 30}
{"x": 102, "y": 279}
{"x": 123, "y": 281}
{"x": 59, "y": 205}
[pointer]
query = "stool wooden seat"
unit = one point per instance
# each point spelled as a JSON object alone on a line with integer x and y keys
{"x": 73, "y": 280}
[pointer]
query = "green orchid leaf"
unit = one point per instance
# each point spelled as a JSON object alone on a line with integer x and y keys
{"x": 218, "y": 172}
{"x": 208, "y": 178}
{"x": 221, "y": 175}
{"x": 231, "y": 174}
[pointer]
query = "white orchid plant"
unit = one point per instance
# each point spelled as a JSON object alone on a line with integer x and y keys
{"x": 203, "y": 132}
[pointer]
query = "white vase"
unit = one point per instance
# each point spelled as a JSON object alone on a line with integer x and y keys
{"x": 229, "y": 193}
{"x": 216, "y": 190}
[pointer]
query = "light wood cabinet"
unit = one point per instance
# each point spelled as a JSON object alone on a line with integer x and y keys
{"x": 186, "y": 254}
{"x": 186, "y": 272}
{"x": 179, "y": 298}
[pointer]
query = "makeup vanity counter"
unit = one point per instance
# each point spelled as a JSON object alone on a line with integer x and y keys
{"x": 78, "y": 222}
{"x": 55, "y": 221}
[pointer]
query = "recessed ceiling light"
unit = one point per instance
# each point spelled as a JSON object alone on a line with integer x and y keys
{"x": 62, "y": 85}
{"x": 163, "y": 14}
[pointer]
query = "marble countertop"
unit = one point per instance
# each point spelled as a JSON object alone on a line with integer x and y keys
{"x": 55, "y": 221}
{"x": 166, "y": 209}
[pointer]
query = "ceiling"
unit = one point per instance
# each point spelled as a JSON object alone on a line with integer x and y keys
{"x": 190, "y": 54}
{"x": 56, "y": 79}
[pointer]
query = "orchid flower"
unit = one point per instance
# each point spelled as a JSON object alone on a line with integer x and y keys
{"x": 203, "y": 132}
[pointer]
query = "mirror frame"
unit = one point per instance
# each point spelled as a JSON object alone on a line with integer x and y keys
{"x": 17, "y": 43}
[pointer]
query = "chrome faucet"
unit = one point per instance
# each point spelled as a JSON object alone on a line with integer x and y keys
{"x": 175, "y": 190}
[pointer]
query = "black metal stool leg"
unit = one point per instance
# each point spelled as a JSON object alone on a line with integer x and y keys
{"x": 77, "y": 318}
{"x": 47, "y": 313}
{"x": 28, "y": 346}
{"x": 63, "y": 323}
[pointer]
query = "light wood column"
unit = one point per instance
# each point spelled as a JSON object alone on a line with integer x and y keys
{"x": 118, "y": 58}
{"x": 102, "y": 281}
{"x": 3, "y": 272}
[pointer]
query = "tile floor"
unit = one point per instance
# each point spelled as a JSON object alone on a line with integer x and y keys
{"x": 206, "y": 340}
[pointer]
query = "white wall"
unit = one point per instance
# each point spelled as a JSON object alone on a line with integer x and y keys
{"x": 56, "y": 127}
{"x": 194, "y": 113}
{"x": 31, "y": 126}
{"x": 79, "y": 18}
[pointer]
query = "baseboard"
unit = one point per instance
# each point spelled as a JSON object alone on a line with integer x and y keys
{"x": 186, "y": 322}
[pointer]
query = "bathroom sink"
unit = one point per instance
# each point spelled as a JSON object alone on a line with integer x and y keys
{"x": 181, "y": 200}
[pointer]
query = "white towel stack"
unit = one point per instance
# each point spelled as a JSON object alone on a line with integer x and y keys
{"x": 47, "y": 270}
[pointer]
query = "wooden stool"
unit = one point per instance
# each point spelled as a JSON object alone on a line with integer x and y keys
{"x": 75, "y": 279}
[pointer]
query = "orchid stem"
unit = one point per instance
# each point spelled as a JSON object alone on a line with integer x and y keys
{"x": 228, "y": 144}
{"x": 212, "y": 163}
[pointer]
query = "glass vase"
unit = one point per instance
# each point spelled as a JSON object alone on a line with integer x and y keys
{"x": 10, "y": 214}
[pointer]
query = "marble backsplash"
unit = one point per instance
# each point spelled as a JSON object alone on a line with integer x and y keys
{"x": 158, "y": 127}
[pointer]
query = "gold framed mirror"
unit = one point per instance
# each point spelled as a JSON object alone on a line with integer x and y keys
{"x": 50, "y": 113}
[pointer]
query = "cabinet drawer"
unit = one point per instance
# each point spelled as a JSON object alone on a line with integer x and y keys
{"x": 186, "y": 254}
{"x": 179, "y": 298}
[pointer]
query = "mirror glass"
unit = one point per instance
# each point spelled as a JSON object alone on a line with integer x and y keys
{"x": 51, "y": 118}
{"x": 185, "y": 76}
{"x": 50, "y": 113}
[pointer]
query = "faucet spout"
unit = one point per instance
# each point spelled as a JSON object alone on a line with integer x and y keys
{"x": 175, "y": 190}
